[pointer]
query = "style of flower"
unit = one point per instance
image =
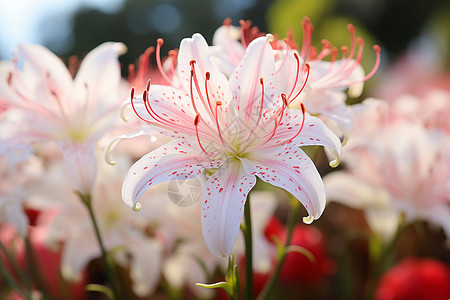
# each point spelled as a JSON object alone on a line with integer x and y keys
{"x": 74, "y": 113}
{"x": 324, "y": 86}
{"x": 234, "y": 129}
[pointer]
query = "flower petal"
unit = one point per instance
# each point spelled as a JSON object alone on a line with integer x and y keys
{"x": 227, "y": 50}
{"x": 145, "y": 268}
{"x": 196, "y": 48}
{"x": 81, "y": 163}
{"x": 315, "y": 132}
{"x": 174, "y": 114}
{"x": 292, "y": 170}
{"x": 100, "y": 72}
{"x": 43, "y": 69}
{"x": 224, "y": 196}
{"x": 175, "y": 160}
{"x": 258, "y": 62}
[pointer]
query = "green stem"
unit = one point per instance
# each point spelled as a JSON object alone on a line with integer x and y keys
{"x": 13, "y": 282}
{"x": 265, "y": 293}
{"x": 382, "y": 262}
{"x": 16, "y": 268}
{"x": 87, "y": 200}
{"x": 248, "y": 251}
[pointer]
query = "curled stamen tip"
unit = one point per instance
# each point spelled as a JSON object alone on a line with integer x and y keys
{"x": 218, "y": 103}
{"x": 107, "y": 155}
{"x": 122, "y": 111}
{"x": 160, "y": 41}
{"x": 377, "y": 48}
{"x": 308, "y": 220}
{"x": 270, "y": 37}
{"x": 359, "y": 40}
{"x": 137, "y": 207}
{"x": 306, "y": 20}
{"x": 351, "y": 28}
{"x": 227, "y": 22}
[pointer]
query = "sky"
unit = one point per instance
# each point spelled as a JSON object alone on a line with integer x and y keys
{"x": 23, "y": 21}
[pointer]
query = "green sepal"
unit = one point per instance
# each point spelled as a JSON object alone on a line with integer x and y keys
{"x": 231, "y": 283}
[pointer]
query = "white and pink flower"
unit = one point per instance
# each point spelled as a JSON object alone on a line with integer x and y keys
{"x": 73, "y": 112}
{"x": 234, "y": 129}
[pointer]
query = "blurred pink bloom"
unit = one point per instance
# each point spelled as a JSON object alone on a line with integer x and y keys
{"x": 124, "y": 233}
{"x": 74, "y": 113}
{"x": 240, "y": 126}
{"x": 395, "y": 165}
{"x": 321, "y": 89}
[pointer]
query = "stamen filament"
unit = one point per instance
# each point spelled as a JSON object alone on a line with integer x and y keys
{"x": 196, "y": 120}
{"x": 304, "y": 83}
{"x": 158, "y": 60}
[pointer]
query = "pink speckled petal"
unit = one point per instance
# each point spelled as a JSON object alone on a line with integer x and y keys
{"x": 175, "y": 160}
{"x": 290, "y": 169}
{"x": 224, "y": 197}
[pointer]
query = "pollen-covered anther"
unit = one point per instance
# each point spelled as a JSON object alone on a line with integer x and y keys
{"x": 196, "y": 119}
{"x": 148, "y": 86}
{"x": 207, "y": 75}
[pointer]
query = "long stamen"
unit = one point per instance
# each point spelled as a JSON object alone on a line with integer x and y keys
{"x": 261, "y": 105}
{"x": 301, "y": 127}
{"x": 134, "y": 109}
{"x": 173, "y": 55}
{"x": 244, "y": 32}
{"x": 326, "y": 45}
{"x": 296, "y": 74}
{"x": 307, "y": 30}
{"x": 191, "y": 89}
{"x": 207, "y": 77}
{"x": 304, "y": 83}
{"x": 158, "y": 60}
{"x": 377, "y": 63}
{"x": 288, "y": 48}
{"x": 196, "y": 120}
{"x": 131, "y": 73}
{"x": 151, "y": 111}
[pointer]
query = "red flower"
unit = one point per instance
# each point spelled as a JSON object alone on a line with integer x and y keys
{"x": 424, "y": 279}
{"x": 297, "y": 268}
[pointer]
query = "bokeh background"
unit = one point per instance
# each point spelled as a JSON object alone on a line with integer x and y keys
{"x": 74, "y": 27}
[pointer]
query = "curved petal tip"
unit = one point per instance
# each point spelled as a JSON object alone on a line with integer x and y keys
{"x": 308, "y": 220}
{"x": 137, "y": 207}
{"x": 335, "y": 163}
{"x": 270, "y": 37}
{"x": 120, "y": 48}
